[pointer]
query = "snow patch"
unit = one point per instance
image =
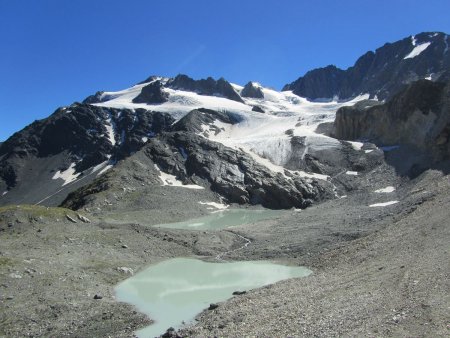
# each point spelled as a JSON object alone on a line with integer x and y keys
{"x": 105, "y": 169}
{"x": 4, "y": 193}
{"x": 237, "y": 87}
{"x": 388, "y": 189}
{"x": 102, "y": 168}
{"x": 417, "y": 50}
{"x": 383, "y": 204}
{"x": 67, "y": 175}
{"x": 356, "y": 145}
{"x": 219, "y": 206}
{"x": 368, "y": 151}
{"x": 110, "y": 131}
{"x": 144, "y": 139}
{"x": 172, "y": 180}
{"x": 354, "y": 173}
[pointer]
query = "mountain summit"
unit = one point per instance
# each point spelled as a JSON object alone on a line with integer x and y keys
{"x": 381, "y": 73}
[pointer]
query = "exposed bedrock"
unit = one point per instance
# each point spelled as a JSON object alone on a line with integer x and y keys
{"x": 417, "y": 119}
{"x": 232, "y": 173}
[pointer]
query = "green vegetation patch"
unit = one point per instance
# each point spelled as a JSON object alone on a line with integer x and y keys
{"x": 36, "y": 211}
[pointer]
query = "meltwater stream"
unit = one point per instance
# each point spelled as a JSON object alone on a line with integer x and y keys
{"x": 176, "y": 290}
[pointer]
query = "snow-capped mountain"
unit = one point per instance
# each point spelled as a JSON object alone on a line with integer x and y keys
{"x": 263, "y": 126}
{"x": 246, "y": 144}
{"x": 80, "y": 142}
{"x": 381, "y": 73}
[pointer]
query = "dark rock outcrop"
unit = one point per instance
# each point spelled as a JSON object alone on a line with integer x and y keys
{"x": 258, "y": 109}
{"x": 79, "y": 134}
{"x": 207, "y": 86}
{"x": 381, "y": 73}
{"x": 96, "y": 98}
{"x": 252, "y": 90}
{"x": 153, "y": 93}
{"x": 232, "y": 173}
{"x": 418, "y": 117}
{"x": 197, "y": 118}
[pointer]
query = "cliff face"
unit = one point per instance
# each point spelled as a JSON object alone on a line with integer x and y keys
{"x": 418, "y": 116}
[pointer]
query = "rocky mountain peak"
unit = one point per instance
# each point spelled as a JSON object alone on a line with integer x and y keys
{"x": 152, "y": 93}
{"x": 253, "y": 90}
{"x": 381, "y": 73}
{"x": 207, "y": 86}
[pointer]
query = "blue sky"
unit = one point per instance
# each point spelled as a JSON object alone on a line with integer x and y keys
{"x": 55, "y": 52}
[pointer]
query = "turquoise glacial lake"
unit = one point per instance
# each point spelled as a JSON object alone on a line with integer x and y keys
{"x": 225, "y": 218}
{"x": 176, "y": 290}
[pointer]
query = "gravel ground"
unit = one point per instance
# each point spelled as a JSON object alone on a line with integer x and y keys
{"x": 392, "y": 282}
{"x": 51, "y": 269}
{"x": 377, "y": 271}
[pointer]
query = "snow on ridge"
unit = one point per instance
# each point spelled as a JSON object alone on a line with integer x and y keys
{"x": 264, "y": 135}
{"x": 236, "y": 87}
{"x": 413, "y": 40}
{"x": 67, "y": 175}
{"x": 178, "y": 105}
{"x": 417, "y": 50}
{"x": 181, "y": 102}
{"x": 356, "y": 145}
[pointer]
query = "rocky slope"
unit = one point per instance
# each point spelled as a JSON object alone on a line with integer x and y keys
{"x": 389, "y": 279}
{"x": 194, "y": 161}
{"x": 381, "y": 73}
{"x": 74, "y": 144}
{"x": 415, "y": 121}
